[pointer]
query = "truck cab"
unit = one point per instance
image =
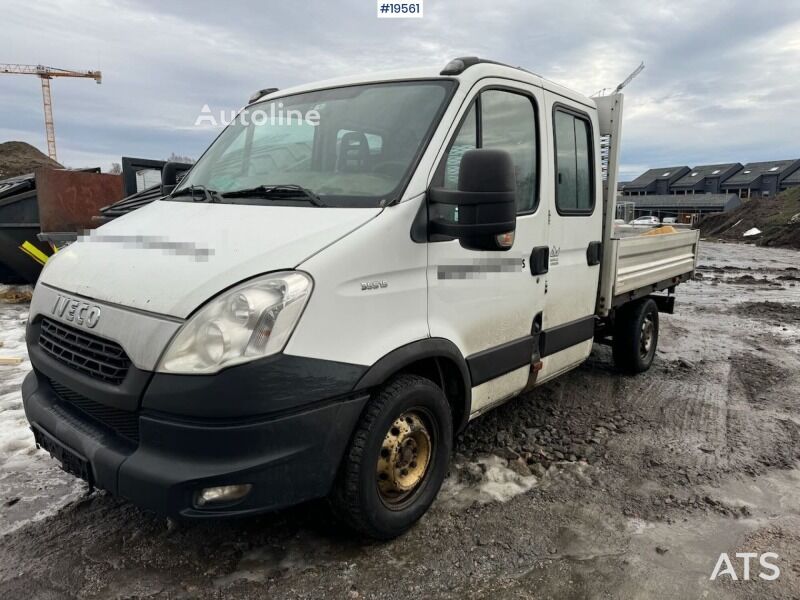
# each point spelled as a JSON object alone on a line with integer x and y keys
{"x": 351, "y": 272}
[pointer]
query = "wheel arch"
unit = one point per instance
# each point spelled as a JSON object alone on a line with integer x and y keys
{"x": 437, "y": 359}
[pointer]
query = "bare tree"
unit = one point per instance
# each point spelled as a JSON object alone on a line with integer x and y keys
{"x": 181, "y": 159}
{"x": 115, "y": 169}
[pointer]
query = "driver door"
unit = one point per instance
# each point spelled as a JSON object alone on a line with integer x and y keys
{"x": 489, "y": 302}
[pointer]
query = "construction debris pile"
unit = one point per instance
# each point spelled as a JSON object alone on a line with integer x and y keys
{"x": 128, "y": 204}
{"x": 42, "y": 209}
{"x": 22, "y": 254}
{"x": 45, "y": 206}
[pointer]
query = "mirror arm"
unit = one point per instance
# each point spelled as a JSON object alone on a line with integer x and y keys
{"x": 169, "y": 176}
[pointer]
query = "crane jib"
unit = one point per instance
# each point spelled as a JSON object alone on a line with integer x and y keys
{"x": 46, "y": 74}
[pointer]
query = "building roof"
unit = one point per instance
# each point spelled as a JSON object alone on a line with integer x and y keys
{"x": 683, "y": 201}
{"x": 648, "y": 177}
{"x": 753, "y": 171}
{"x": 702, "y": 172}
{"x": 793, "y": 178}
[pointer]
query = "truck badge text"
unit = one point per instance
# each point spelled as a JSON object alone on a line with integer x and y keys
{"x": 373, "y": 285}
{"x": 80, "y": 313}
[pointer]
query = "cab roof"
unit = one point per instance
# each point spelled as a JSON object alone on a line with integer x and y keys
{"x": 476, "y": 69}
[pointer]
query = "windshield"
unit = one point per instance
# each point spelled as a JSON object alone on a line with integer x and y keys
{"x": 350, "y": 146}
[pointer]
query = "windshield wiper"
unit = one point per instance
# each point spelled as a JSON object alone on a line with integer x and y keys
{"x": 285, "y": 191}
{"x": 210, "y": 196}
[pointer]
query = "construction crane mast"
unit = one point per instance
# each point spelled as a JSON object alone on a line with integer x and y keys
{"x": 45, "y": 74}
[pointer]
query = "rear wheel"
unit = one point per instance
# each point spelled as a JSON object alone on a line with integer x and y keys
{"x": 636, "y": 336}
{"x": 397, "y": 459}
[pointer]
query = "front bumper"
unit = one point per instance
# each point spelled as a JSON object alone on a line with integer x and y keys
{"x": 288, "y": 457}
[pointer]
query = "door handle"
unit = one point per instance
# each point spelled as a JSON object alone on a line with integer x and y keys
{"x": 594, "y": 253}
{"x": 540, "y": 260}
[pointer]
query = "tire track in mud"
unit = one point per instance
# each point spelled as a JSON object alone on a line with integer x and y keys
{"x": 683, "y": 432}
{"x": 763, "y": 422}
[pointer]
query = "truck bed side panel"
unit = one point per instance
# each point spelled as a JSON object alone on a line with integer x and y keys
{"x": 646, "y": 260}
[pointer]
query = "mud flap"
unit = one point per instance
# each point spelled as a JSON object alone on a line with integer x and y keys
{"x": 665, "y": 304}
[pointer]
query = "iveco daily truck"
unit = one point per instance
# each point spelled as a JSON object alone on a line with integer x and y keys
{"x": 337, "y": 287}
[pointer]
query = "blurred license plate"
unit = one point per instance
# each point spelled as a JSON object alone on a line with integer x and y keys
{"x": 72, "y": 462}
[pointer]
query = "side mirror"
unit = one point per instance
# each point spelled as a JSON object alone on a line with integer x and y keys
{"x": 169, "y": 176}
{"x": 484, "y": 207}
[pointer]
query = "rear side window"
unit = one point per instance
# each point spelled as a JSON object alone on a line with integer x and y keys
{"x": 574, "y": 185}
{"x": 505, "y": 120}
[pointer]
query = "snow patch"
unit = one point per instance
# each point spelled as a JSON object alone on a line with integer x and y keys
{"x": 639, "y": 526}
{"x": 491, "y": 480}
{"x": 32, "y": 487}
{"x": 16, "y": 441}
{"x": 501, "y": 483}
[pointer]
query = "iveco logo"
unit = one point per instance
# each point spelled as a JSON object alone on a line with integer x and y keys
{"x": 77, "y": 311}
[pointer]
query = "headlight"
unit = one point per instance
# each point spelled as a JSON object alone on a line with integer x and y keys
{"x": 250, "y": 321}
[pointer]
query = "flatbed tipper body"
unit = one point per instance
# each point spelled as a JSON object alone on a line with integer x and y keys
{"x": 335, "y": 290}
{"x": 636, "y": 261}
{"x": 649, "y": 263}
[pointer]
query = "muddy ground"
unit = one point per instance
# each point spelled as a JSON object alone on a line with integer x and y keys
{"x": 594, "y": 486}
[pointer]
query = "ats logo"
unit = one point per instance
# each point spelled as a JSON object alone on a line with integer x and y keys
{"x": 769, "y": 571}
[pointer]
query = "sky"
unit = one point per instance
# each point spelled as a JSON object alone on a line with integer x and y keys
{"x": 721, "y": 83}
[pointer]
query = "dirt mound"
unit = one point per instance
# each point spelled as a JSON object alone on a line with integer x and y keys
{"x": 19, "y": 158}
{"x": 778, "y": 219}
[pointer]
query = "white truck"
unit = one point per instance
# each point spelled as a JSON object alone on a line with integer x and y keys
{"x": 337, "y": 287}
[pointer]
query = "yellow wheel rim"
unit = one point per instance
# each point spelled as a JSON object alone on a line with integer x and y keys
{"x": 404, "y": 457}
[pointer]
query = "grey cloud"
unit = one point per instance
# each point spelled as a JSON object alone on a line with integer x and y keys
{"x": 722, "y": 79}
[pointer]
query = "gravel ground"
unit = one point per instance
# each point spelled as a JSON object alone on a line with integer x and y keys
{"x": 596, "y": 485}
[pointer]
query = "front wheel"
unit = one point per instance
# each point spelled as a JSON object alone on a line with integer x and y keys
{"x": 636, "y": 336}
{"x": 397, "y": 459}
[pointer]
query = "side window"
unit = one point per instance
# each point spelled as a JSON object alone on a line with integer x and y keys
{"x": 466, "y": 139}
{"x": 508, "y": 122}
{"x": 573, "y": 164}
{"x": 505, "y": 120}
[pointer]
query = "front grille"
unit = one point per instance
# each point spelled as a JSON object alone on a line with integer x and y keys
{"x": 91, "y": 355}
{"x": 121, "y": 422}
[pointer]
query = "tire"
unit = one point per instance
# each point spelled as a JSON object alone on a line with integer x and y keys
{"x": 636, "y": 336}
{"x": 373, "y": 503}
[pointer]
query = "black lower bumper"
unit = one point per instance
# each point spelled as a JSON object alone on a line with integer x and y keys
{"x": 287, "y": 458}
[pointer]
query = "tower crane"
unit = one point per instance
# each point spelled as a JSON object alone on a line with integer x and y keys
{"x": 630, "y": 77}
{"x": 45, "y": 74}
